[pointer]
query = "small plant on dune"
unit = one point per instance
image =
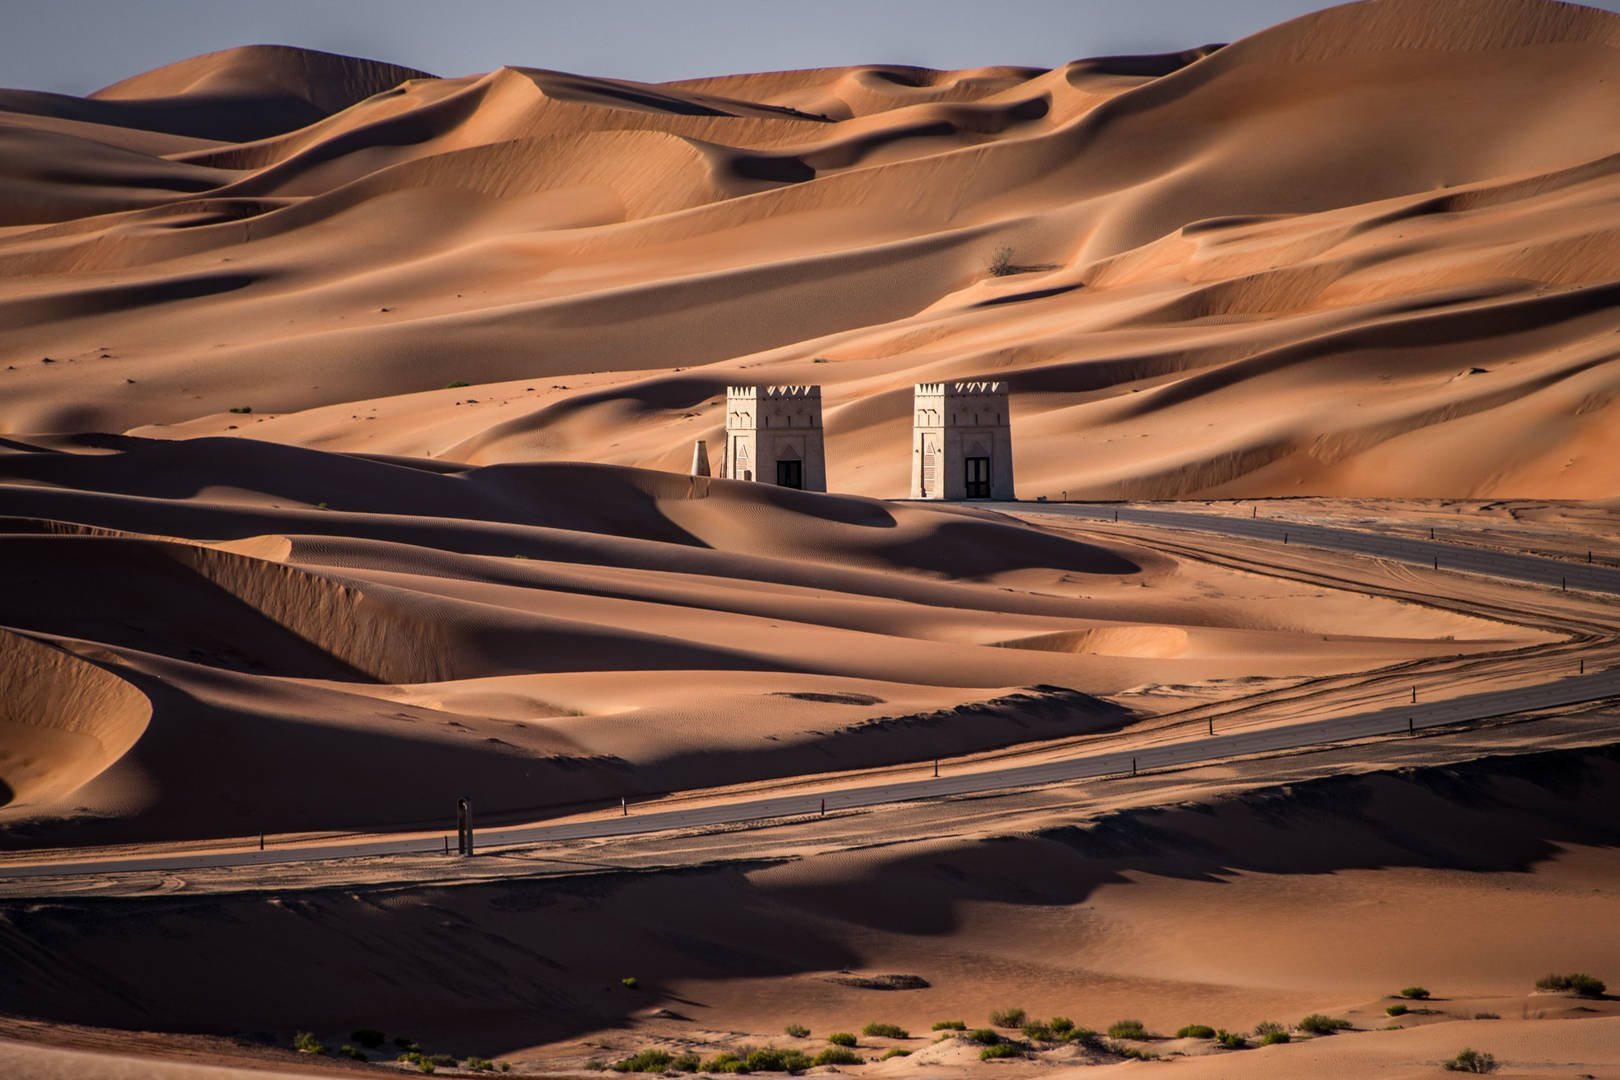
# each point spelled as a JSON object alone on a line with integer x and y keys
{"x": 1319, "y": 1024}
{"x": 798, "y": 1031}
{"x": 630, "y": 982}
{"x": 1128, "y": 1029}
{"x": 1061, "y": 1026}
{"x": 1231, "y": 1040}
{"x": 242, "y": 409}
{"x": 1415, "y": 993}
{"x": 1397, "y": 1010}
{"x": 841, "y": 1038}
{"x": 353, "y": 1052}
{"x": 1196, "y": 1031}
{"x": 1136, "y": 1052}
{"x": 838, "y": 1055}
{"x": 305, "y": 1042}
{"x": 1005, "y": 1049}
{"x": 1469, "y": 1060}
{"x": 370, "y": 1038}
{"x": 724, "y": 1062}
{"x": 406, "y": 1044}
{"x": 646, "y": 1061}
{"x": 1008, "y": 1018}
{"x": 1271, "y": 1032}
{"x": 984, "y": 1037}
{"x": 1001, "y": 263}
{"x": 894, "y": 1052}
{"x": 1085, "y": 1037}
{"x": 774, "y": 1059}
{"x": 423, "y": 1063}
{"x": 457, "y": 385}
{"x": 442, "y": 1059}
{"x": 1578, "y": 983}
{"x": 478, "y": 1064}
{"x": 1486, "y": 1016}
{"x": 885, "y": 1031}
{"x": 1036, "y": 1031}
{"x": 950, "y": 1025}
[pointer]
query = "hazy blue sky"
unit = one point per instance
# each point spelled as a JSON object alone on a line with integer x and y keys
{"x": 75, "y": 46}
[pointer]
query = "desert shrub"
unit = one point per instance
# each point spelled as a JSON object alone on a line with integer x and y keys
{"x": 775, "y": 1059}
{"x": 1231, "y": 1040}
{"x": 243, "y": 409}
{"x": 1397, "y": 1010}
{"x": 984, "y": 1037}
{"x": 1269, "y": 1027}
{"x": 1415, "y": 993}
{"x": 406, "y": 1044}
{"x": 1319, "y": 1024}
{"x": 841, "y": 1038}
{"x": 423, "y": 1063}
{"x": 370, "y": 1038}
{"x": 1127, "y": 1029}
{"x": 1469, "y": 1060}
{"x": 1008, "y": 1018}
{"x": 647, "y": 1061}
{"x": 1005, "y": 1049}
{"x": 1486, "y": 1016}
{"x": 685, "y": 1063}
{"x": 1578, "y": 983}
{"x": 724, "y": 1062}
{"x": 478, "y": 1064}
{"x": 630, "y": 982}
{"x": 442, "y": 1059}
{"x": 1061, "y": 1026}
{"x": 838, "y": 1055}
{"x": 885, "y": 1031}
{"x": 1196, "y": 1031}
{"x": 305, "y": 1042}
{"x": 1085, "y": 1037}
{"x": 949, "y": 1025}
{"x": 1136, "y": 1052}
{"x": 457, "y": 385}
{"x": 353, "y": 1052}
{"x": 798, "y": 1031}
{"x": 894, "y": 1052}
{"x": 1037, "y": 1031}
{"x": 1001, "y": 263}
{"x": 1271, "y": 1038}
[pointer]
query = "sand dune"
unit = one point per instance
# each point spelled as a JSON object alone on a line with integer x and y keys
{"x": 1369, "y": 251}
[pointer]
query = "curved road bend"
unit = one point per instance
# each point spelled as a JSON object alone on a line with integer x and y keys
{"x": 1393, "y": 721}
{"x": 1534, "y": 569}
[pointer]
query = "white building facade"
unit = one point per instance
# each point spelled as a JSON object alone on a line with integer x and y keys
{"x": 773, "y": 436}
{"x": 961, "y": 443}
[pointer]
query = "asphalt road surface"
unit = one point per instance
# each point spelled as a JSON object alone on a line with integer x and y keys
{"x": 1435, "y": 554}
{"x": 1398, "y": 719}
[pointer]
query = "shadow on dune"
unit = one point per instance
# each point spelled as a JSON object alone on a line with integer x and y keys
{"x": 486, "y": 967}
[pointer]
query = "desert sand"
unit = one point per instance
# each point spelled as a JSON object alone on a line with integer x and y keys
{"x": 345, "y": 416}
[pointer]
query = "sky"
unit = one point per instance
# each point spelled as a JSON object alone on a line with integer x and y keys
{"x": 76, "y": 46}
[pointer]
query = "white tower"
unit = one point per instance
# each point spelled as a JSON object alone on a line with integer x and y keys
{"x": 773, "y": 436}
{"x": 961, "y": 442}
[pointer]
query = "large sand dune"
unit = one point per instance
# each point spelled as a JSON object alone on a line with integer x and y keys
{"x": 1370, "y": 251}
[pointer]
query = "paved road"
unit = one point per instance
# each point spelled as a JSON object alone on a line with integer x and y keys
{"x": 1586, "y": 577}
{"x": 1395, "y": 720}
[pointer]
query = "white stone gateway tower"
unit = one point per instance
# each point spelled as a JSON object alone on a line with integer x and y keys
{"x": 961, "y": 443}
{"x": 773, "y": 436}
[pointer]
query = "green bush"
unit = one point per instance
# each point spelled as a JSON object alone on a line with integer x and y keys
{"x": 1486, "y": 1016}
{"x": 242, "y": 410}
{"x": 1008, "y": 1018}
{"x": 305, "y": 1042}
{"x": 1578, "y": 983}
{"x": 1085, "y": 1037}
{"x": 1007, "y": 1049}
{"x": 894, "y": 1052}
{"x": 949, "y": 1025}
{"x": 457, "y": 385}
{"x": 841, "y": 1038}
{"x": 1127, "y": 1029}
{"x": 1415, "y": 993}
{"x": 1196, "y": 1031}
{"x": 1269, "y": 1027}
{"x": 885, "y": 1031}
{"x": 630, "y": 982}
{"x": 685, "y": 1063}
{"x": 724, "y": 1062}
{"x": 1319, "y": 1024}
{"x": 423, "y": 1063}
{"x": 352, "y": 1052}
{"x": 1037, "y": 1031}
{"x": 370, "y": 1038}
{"x": 798, "y": 1031}
{"x": 838, "y": 1055}
{"x": 1061, "y": 1026}
{"x": 647, "y": 1061}
{"x": 442, "y": 1059}
{"x": 774, "y": 1059}
{"x": 1469, "y": 1060}
{"x": 1271, "y": 1038}
{"x": 478, "y": 1064}
{"x": 984, "y": 1037}
{"x": 1136, "y": 1052}
{"x": 406, "y": 1044}
{"x": 1231, "y": 1040}
{"x": 1397, "y": 1010}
